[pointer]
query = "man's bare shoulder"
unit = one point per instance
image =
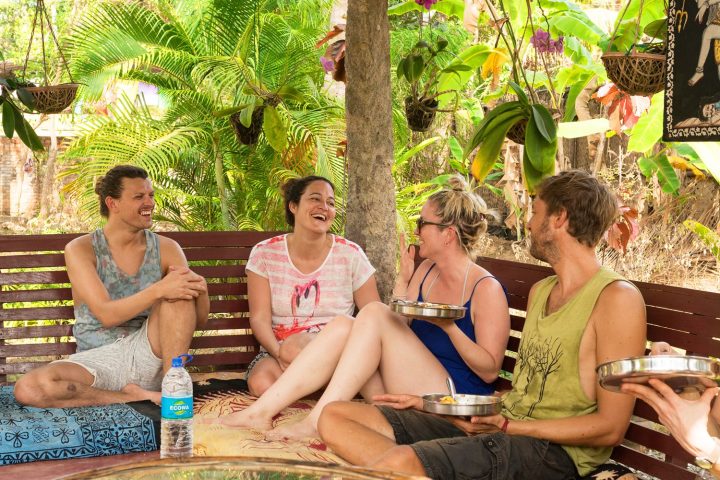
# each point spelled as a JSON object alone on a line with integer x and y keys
{"x": 79, "y": 247}
{"x": 620, "y": 304}
{"x": 167, "y": 243}
{"x": 618, "y": 293}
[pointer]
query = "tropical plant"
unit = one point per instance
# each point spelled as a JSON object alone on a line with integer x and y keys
{"x": 540, "y": 139}
{"x": 209, "y": 59}
{"x": 426, "y": 64}
{"x": 13, "y": 119}
{"x": 709, "y": 237}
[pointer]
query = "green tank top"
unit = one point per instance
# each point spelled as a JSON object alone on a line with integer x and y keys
{"x": 546, "y": 380}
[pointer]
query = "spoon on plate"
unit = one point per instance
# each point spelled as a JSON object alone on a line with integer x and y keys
{"x": 451, "y": 387}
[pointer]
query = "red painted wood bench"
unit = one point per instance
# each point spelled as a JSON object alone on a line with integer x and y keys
{"x": 37, "y": 316}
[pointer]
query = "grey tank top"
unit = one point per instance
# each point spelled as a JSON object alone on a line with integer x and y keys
{"x": 88, "y": 331}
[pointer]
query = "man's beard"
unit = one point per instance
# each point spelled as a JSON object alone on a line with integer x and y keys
{"x": 541, "y": 247}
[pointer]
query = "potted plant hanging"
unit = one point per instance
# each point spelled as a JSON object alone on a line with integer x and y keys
{"x": 637, "y": 68}
{"x": 540, "y": 138}
{"x": 421, "y": 70}
{"x": 45, "y": 98}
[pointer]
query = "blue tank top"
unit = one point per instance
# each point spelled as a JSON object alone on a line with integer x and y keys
{"x": 438, "y": 342}
{"x": 88, "y": 331}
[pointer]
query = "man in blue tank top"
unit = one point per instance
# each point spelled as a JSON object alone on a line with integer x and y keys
{"x": 556, "y": 422}
{"x": 136, "y": 301}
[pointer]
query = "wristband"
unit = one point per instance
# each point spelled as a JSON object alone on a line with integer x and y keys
{"x": 505, "y": 425}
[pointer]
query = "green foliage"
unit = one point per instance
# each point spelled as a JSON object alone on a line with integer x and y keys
{"x": 540, "y": 139}
{"x": 421, "y": 70}
{"x": 209, "y": 59}
{"x": 13, "y": 122}
{"x": 708, "y": 236}
{"x": 660, "y": 165}
{"x": 648, "y": 130}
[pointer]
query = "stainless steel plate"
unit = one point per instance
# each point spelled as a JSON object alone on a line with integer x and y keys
{"x": 678, "y": 371}
{"x": 467, "y": 405}
{"x": 423, "y": 310}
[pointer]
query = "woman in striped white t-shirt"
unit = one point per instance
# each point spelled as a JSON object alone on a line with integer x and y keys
{"x": 299, "y": 282}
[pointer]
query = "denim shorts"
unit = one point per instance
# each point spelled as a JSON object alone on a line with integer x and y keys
{"x": 446, "y": 452}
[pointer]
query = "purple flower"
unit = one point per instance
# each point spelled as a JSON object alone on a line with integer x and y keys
{"x": 327, "y": 64}
{"x": 427, "y": 3}
{"x": 543, "y": 43}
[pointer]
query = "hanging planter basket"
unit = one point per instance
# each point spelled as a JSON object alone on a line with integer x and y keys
{"x": 46, "y": 98}
{"x": 420, "y": 113}
{"x": 517, "y": 132}
{"x": 248, "y": 135}
{"x": 636, "y": 73}
{"x": 53, "y": 98}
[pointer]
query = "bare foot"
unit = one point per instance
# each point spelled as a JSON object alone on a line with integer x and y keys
{"x": 136, "y": 394}
{"x": 695, "y": 78}
{"x": 241, "y": 419}
{"x": 295, "y": 431}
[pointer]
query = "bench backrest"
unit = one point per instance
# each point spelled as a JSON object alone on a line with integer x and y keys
{"x": 36, "y": 310}
{"x": 687, "y": 319}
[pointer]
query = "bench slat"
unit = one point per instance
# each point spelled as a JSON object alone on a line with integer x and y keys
{"x": 41, "y": 313}
{"x": 33, "y": 261}
{"x": 650, "y": 465}
{"x": 45, "y": 294}
{"x": 65, "y": 293}
{"x": 217, "y": 253}
{"x": 656, "y": 441}
{"x": 39, "y": 277}
{"x": 219, "y": 341}
{"x": 37, "y": 349}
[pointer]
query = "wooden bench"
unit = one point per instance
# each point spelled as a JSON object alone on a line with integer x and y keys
{"x": 32, "y": 270}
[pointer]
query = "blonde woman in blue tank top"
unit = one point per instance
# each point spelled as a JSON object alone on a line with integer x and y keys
{"x": 388, "y": 353}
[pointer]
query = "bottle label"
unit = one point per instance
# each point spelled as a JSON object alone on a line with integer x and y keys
{"x": 174, "y": 408}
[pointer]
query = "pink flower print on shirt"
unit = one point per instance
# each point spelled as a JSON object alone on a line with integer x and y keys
{"x": 300, "y": 293}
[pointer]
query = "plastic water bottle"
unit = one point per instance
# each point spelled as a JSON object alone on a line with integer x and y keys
{"x": 176, "y": 423}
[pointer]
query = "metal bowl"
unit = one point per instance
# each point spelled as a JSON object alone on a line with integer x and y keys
{"x": 423, "y": 310}
{"x": 678, "y": 371}
{"x": 467, "y": 405}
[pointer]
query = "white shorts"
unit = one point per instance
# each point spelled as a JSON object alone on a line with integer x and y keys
{"x": 129, "y": 359}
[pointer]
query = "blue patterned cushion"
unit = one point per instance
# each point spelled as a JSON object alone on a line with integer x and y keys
{"x": 28, "y": 434}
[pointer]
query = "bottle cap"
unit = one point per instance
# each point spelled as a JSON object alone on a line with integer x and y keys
{"x": 181, "y": 360}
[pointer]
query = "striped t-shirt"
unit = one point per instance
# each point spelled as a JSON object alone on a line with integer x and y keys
{"x": 302, "y": 301}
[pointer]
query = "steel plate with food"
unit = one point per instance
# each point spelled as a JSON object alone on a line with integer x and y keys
{"x": 678, "y": 371}
{"x": 462, "y": 404}
{"x": 427, "y": 310}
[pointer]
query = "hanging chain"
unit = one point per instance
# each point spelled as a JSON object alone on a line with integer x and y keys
{"x": 32, "y": 36}
{"x": 57, "y": 44}
{"x": 40, "y": 11}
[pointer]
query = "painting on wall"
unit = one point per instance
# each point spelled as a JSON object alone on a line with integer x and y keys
{"x": 692, "y": 90}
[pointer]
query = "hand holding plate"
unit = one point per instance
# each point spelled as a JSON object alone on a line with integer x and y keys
{"x": 398, "y": 401}
{"x": 687, "y": 420}
{"x": 478, "y": 425}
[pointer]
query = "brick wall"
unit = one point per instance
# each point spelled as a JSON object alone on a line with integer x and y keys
{"x": 19, "y": 178}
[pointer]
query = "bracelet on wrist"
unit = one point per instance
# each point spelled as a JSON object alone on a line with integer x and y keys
{"x": 505, "y": 425}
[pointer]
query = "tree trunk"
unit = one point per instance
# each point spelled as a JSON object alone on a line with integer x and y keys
{"x": 47, "y": 192}
{"x": 368, "y": 105}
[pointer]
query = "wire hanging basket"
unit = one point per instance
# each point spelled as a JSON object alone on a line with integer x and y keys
{"x": 636, "y": 73}
{"x": 46, "y": 98}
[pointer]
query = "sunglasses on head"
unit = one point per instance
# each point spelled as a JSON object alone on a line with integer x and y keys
{"x": 421, "y": 222}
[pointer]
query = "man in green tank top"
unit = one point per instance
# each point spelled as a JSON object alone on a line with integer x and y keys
{"x": 556, "y": 423}
{"x": 136, "y": 305}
